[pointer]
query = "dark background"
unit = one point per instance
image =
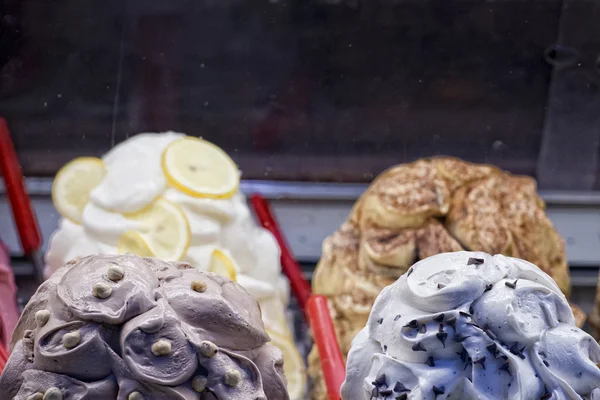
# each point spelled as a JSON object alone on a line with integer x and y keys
{"x": 310, "y": 90}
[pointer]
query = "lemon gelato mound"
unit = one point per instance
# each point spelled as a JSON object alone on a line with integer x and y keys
{"x": 174, "y": 197}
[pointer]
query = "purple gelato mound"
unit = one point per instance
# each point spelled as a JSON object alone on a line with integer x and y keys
{"x": 132, "y": 328}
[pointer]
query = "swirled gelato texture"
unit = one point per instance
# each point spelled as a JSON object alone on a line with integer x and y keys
{"x": 468, "y": 325}
{"x": 132, "y": 328}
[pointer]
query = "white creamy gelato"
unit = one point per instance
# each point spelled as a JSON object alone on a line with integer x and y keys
{"x": 468, "y": 325}
{"x": 134, "y": 179}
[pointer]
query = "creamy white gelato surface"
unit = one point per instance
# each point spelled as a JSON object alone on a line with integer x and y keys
{"x": 134, "y": 179}
{"x": 469, "y": 325}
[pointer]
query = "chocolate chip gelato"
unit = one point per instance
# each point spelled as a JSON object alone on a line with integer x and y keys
{"x": 132, "y": 328}
{"x": 468, "y": 325}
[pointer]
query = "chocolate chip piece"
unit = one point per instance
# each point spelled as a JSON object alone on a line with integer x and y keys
{"x": 414, "y": 324}
{"x": 374, "y": 392}
{"x": 546, "y": 364}
{"x": 515, "y": 349}
{"x": 442, "y": 336}
{"x": 471, "y": 309}
{"x": 397, "y": 317}
{"x": 492, "y": 348}
{"x": 463, "y": 355}
{"x": 410, "y": 271}
{"x": 380, "y": 321}
{"x": 399, "y": 387}
{"x": 460, "y": 338}
{"x": 438, "y": 390}
{"x": 510, "y": 285}
{"x": 418, "y": 347}
{"x": 439, "y": 318}
{"x": 403, "y": 396}
{"x": 505, "y": 367}
{"x": 430, "y": 362}
{"x": 546, "y": 394}
{"x": 464, "y": 314}
{"x": 451, "y": 322}
{"x": 385, "y": 392}
{"x": 475, "y": 261}
{"x": 441, "y": 286}
{"x": 379, "y": 381}
{"x": 480, "y": 361}
{"x": 469, "y": 361}
{"x": 488, "y": 287}
{"x": 521, "y": 353}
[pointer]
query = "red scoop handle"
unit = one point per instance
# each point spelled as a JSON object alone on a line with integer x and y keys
{"x": 291, "y": 268}
{"x": 3, "y": 357}
{"x": 332, "y": 362}
{"x": 25, "y": 219}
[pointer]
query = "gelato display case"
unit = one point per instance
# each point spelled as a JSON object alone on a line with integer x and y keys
{"x": 251, "y": 200}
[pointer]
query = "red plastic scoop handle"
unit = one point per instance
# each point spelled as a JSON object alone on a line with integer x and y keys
{"x": 332, "y": 363}
{"x": 25, "y": 219}
{"x": 291, "y": 268}
{"x": 3, "y": 357}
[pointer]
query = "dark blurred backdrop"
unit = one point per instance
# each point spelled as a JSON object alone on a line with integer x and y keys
{"x": 310, "y": 90}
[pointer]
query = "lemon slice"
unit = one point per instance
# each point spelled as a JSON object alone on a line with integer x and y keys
{"x": 73, "y": 184}
{"x": 164, "y": 232}
{"x": 222, "y": 265}
{"x": 293, "y": 365}
{"x": 134, "y": 243}
{"x": 200, "y": 168}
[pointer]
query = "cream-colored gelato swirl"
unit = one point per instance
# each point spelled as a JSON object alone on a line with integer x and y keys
{"x": 134, "y": 179}
{"x": 126, "y": 327}
{"x": 468, "y": 325}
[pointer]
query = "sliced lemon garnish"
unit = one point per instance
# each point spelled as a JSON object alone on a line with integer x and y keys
{"x": 221, "y": 264}
{"x": 200, "y": 168}
{"x": 73, "y": 184}
{"x": 165, "y": 232}
{"x": 274, "y": 316}
{"x": 134, "y": 243}
{"x": 293, "y": 366}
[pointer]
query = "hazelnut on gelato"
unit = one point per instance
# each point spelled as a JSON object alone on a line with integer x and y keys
{"x": 468, "y": 325}
{"x": 131, "y": 328}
